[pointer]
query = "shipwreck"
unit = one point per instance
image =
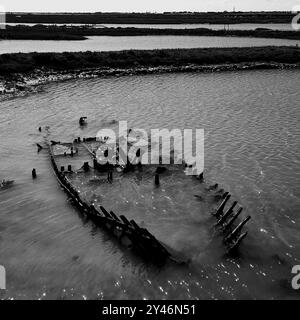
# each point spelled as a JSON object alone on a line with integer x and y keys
{"x": 81, "y": 153}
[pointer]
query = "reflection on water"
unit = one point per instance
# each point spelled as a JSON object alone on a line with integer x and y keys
{"x": 251, "y": 150}
{"x": 106, "y": 43}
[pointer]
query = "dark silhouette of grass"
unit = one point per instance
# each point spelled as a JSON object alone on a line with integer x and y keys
{"x": 26, "y": 62}
{"x": 150, "y": 18}
{"x": 44, "y": 32}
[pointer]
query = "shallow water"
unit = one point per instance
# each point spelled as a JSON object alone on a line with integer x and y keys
{"x": 251, "y": 122}
{"x": 106, "y": 43}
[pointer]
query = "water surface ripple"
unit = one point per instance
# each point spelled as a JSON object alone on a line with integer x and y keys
{"x": 251, "y": 122}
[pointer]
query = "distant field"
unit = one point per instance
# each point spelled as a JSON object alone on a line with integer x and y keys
{"x": 152, "y": 18}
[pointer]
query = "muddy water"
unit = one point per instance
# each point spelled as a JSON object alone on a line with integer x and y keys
{"x": 251, "y": 149}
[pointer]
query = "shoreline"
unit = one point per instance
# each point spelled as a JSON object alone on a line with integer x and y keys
{"x": 22, "y": 84}
{"x": 22, "y": 73}
{"x": 81, "y": 33}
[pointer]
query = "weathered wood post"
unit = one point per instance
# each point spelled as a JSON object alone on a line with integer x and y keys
{"x": 237, "y": 230}
{"x": 115, "y": 216}
{"x": 156, "y": 179}
{"x": 200, "y": 177}
{"x": 222, "y": 206}
{"x": 125, "y": 220}
{"x": 95, "y": 211}
{"x": 226, "y": 214}
{"x": 238, "y": 241}
{"x": 86, "y": 167}
{"x": 33, "y": 173}
{"x": 39, "y": 147}
{"x": 225, "y": 195}
{"x": 106, "y": 213}
{"x": 135, "y": 225}
{"x": 231, "y": 221}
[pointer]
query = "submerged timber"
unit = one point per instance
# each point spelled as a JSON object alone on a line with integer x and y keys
{"x": 23, "y": 72}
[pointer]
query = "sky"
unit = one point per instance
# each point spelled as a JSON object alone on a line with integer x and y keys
{"x": 146, "y": 5}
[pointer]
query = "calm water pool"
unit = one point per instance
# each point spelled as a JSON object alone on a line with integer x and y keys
{"x": 105, "y": 43}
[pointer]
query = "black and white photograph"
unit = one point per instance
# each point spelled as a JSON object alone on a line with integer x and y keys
{"x": 149, "y": 151}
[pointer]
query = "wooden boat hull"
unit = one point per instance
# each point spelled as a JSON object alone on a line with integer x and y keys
{"x": 128, "y": 233}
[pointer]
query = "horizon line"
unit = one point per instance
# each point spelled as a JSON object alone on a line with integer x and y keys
{"x": 146, "y": 12}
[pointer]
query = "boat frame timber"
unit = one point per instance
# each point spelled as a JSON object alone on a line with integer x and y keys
{"x": 142, "y": 241}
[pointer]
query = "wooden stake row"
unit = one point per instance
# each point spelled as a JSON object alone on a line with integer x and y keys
{"x": 233, "y": 235}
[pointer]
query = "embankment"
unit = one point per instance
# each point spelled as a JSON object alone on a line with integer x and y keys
{"x": 24, "y": 72}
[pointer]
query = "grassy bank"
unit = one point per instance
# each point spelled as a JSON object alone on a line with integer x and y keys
{"x": 32, "y": 35}
{"x": 27, "y": 62}
{"x": 44, "y": 32}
